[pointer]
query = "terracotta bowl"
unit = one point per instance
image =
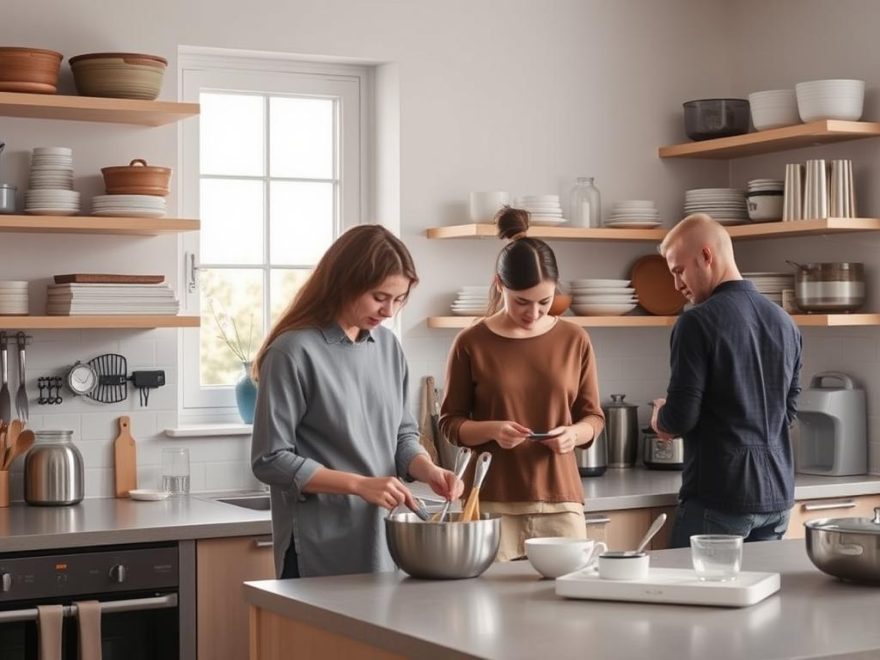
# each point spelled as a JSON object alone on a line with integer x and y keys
{"x": 561, "y": 302}
{"x": 29, "y": 70}
{"x": 118, "y": 75}
{"x": 137, "y": 178}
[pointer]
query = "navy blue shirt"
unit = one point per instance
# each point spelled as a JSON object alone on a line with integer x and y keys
{"x": 735, "y": 361}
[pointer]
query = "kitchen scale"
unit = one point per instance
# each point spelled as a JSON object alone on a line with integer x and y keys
{"x": 671, "y": 585}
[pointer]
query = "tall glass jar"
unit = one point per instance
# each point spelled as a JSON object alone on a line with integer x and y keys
{"x": 585, "y": 205}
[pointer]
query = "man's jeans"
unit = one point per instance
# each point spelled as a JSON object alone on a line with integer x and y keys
{"x": 692, "y": 517}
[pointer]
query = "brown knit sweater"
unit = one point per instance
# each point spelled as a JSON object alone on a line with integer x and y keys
{"x": 540, "y": 382}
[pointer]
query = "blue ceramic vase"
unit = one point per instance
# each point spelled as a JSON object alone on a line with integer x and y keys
{"x": 246, "y": 395}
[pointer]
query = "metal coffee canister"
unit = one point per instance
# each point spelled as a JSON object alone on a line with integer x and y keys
{"x": 53, "y": 470}
{"x": 621, "y": 431}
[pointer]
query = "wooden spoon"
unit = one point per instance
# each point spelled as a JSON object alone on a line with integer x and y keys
{"x": 22, "y": 444}
{"x": 470, "y": 506}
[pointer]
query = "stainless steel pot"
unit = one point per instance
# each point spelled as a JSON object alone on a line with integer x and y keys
{"x": 847, "y": 548}
{"x": 830, "y": 287}
{"x": 621, "y": 431}
{"x": 592, "y": 461}
{"x": 53, "y": 470}
{"x": 661, "y": 454}
{"x": 449, "y": 550}
{"x": 7, "y": 198}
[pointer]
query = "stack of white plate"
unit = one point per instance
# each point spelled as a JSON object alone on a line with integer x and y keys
{"x": 766, "y": 185}
{"x": 471, "y": 301}
{"x": 771, "y": 285}
{"x": 634, "y": 214}
{"x": 726, "y": 205}
{"x": 129, "y": 206}
{"x": 13, "y": 297}
{"x": 602, "y": 297}
{"x": 50, "y": 188}
{"x": 545, "y": 209}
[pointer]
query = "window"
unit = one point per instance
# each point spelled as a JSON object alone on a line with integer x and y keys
{"x": 273, "y": 170}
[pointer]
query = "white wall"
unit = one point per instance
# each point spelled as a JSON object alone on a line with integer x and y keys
{"x": 517, "y": 95}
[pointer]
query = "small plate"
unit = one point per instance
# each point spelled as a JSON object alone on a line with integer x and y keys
{"x": 147, "y": 495}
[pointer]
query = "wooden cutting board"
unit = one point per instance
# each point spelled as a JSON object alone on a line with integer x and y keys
{"x": 108, "y": 278}
{"x": 125, "y": 459}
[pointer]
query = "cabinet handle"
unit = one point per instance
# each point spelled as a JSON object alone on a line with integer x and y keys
{"x": 601, "y": 520}
{"x": 847, "y": 504}
{"x": 263, "y": 543}
{"x": 191, "y": 272}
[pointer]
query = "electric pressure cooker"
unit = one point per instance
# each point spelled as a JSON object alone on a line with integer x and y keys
{"x": 662, "y": 454}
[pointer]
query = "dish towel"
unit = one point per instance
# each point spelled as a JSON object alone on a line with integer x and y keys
{"x": 88, "y": 616}
{"x": 50, "y": 619}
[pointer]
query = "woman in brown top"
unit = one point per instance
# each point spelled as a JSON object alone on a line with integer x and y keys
{"x": 518, "y": 372}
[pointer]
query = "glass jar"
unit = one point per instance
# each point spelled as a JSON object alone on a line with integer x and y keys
{"x": 585, "y": 206}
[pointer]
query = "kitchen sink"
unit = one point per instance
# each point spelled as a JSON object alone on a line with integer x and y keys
{"x": 255, "y": 502}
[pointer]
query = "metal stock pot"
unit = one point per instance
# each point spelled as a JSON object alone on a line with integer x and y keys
{"x": 847, "y": 548}
{"x": 829, "y": 287}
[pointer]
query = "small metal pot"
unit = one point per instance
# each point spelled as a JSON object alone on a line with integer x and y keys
{"x": 53, "y": 470}
{"x": 830, "y": 287}
{"x": 7, "y": 198}
{"x": 847, "y": 548}
{"x": 592, "y": 461}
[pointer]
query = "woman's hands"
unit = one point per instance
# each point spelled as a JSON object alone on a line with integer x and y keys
{"x": 445, "y": 483}
{"x": 387, "y": 492}
{"x": 563, "y": 441}
{"x": 509, "y": 434}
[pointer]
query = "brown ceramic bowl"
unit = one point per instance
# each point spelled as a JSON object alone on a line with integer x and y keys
{"x": 118, "y": 75}
{"x": 561, "y": 302}
{"x": 137, "y": 178}
{"x": 30, "y": 70}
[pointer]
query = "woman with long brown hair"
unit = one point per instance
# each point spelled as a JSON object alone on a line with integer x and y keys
{"x": 522, "y": 385}
{"x": 332, "y": 430}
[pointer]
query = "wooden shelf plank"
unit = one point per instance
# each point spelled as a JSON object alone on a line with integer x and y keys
{"x": 806, "y": 320}
{"x": 775, "y": 139}
{"x": 803, "y": 227}
{"x": 80, "y": 224}
{"x": 104, "y": 321}
{"x": 89, "y": 108}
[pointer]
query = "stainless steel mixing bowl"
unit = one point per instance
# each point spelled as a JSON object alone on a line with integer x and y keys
{"x": 446, "y": 551}
{"x": 847, "y": 548}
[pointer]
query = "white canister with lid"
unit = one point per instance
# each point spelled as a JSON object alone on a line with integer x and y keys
{"x": 53, "y": 470}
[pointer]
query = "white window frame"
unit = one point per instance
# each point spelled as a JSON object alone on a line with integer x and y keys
{"x": 350, "y": 86}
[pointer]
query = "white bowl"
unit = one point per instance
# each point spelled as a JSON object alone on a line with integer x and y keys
{"x": 484, "y": 205}
{"x": 620, "y": 566}
{"x": 554, "y": 556}
{"x": 765, "y": 206}
{"x": 830, "y": 99}
{"x": 774, "y": 108}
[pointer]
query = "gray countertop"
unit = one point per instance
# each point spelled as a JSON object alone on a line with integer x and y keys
{"x": 111, "y": 521}
{"x": 510, "y": 613}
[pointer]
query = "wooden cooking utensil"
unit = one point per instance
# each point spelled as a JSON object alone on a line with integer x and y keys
{"x": 472, "y": 503}
{"x": 125, "y": 459}
{"x": 22, "y": 443}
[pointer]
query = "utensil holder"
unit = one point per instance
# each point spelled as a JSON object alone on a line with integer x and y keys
{"x": 792, "y": 201}
{"x": 4, "y": 489}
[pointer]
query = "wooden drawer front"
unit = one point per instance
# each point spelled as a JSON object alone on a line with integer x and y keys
{"x": 861, "y": 506}
{"x": 620, "y": 530}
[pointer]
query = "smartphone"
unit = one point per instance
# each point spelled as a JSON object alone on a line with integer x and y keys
{"x": 541, "y": 436}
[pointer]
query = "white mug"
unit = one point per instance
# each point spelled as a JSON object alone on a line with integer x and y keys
{"x": 623, "y": 565}
{"x": 484, "y": 205}
{"x": 553, "y": 556}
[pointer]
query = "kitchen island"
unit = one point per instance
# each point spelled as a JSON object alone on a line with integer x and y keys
{"x": 510, "y": 612}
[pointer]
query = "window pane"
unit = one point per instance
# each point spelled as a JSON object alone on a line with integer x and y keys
{"x": 231, "y": 129}
{"x": 232, "y": 221}
{"x": 300, "y": 221}
{"x": 284, "y": 283}
{"x": 301, "y": 138}
{"x": 231, "y": 302}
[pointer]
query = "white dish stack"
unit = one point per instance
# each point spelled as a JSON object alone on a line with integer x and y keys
{"x": 771, "y": 285}
{"x": 129, "y": 206}
{"x": 726, "y": 205}
{"x": 79, "y": 299}
{"x": 634, "y": 214}
{"x": 13, "y": 297}
{"x": 602, "y": 297}
{"x": 50, "y": 189}
{"x": 471, "y": 301}
{"x": 765, "y": 199}
{"x": 544, "y": 209}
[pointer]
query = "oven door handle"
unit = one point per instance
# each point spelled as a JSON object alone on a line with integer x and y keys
{"x": 109, "y": 606}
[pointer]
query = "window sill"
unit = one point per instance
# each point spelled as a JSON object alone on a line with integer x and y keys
{"x": 209, "y": 430}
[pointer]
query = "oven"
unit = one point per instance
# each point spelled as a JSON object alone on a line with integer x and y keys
{"x": 145, "y": 591}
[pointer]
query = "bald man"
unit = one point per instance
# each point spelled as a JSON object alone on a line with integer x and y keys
{"x": 734, "y": 364}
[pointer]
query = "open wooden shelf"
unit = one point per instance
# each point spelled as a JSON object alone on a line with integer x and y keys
{"x": 775, "y": 139}
{"x": 803, "y": 228}
{"x": 103, "y": 321}
{"x": 89, "y": 108}
{"x": 806, "y": 320}
{"x": 80, "y": 224}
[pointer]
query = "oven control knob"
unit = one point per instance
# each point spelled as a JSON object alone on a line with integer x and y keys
{"x": 5, "y": 582}
{"x": 117, "y": 573}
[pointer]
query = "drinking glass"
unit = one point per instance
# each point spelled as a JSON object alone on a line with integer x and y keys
{"x": 175, "y": 470}
{"x": 716, "y": 557}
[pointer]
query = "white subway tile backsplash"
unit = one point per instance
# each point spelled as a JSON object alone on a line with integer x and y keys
{"x": 229, "y": 475}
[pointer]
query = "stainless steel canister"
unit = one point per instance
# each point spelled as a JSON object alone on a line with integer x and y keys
{"x": 621, "y": 431}
{"x": 53, "y": 470}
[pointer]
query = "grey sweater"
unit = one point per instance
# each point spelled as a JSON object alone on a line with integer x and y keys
{"x": 325, "y": 401}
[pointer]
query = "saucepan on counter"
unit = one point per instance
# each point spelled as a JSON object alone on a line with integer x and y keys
{"x": 829, "y": 287}
{"x": 847, "y": 548}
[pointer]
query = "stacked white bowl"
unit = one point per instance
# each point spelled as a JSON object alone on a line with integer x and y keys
{"x": 633, "y": 214}
{"x": 471, "y": 301}
{"x": 602, "y": 297}
{"x": 13, "y": 297}
{"x": 764, "y": 199}
{"x": 545, "y": 209}
{"x": 50, "y": 189}
{"x": 771, "y": 285}
{"x": 774, "y": 108}
{"x": 129, "y": 206}
{"x": 830, "y": 99}
{"x": 726, "y": 205}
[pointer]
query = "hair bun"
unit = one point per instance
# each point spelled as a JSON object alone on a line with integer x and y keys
{"x": 512, "y": 223}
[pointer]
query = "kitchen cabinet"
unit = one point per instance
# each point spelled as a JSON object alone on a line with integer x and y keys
{"x": 222, "y": 565}
{"x": 860, "y": 506}
{"x": 623, "y": 529}
{"x": 121, "y": 111}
